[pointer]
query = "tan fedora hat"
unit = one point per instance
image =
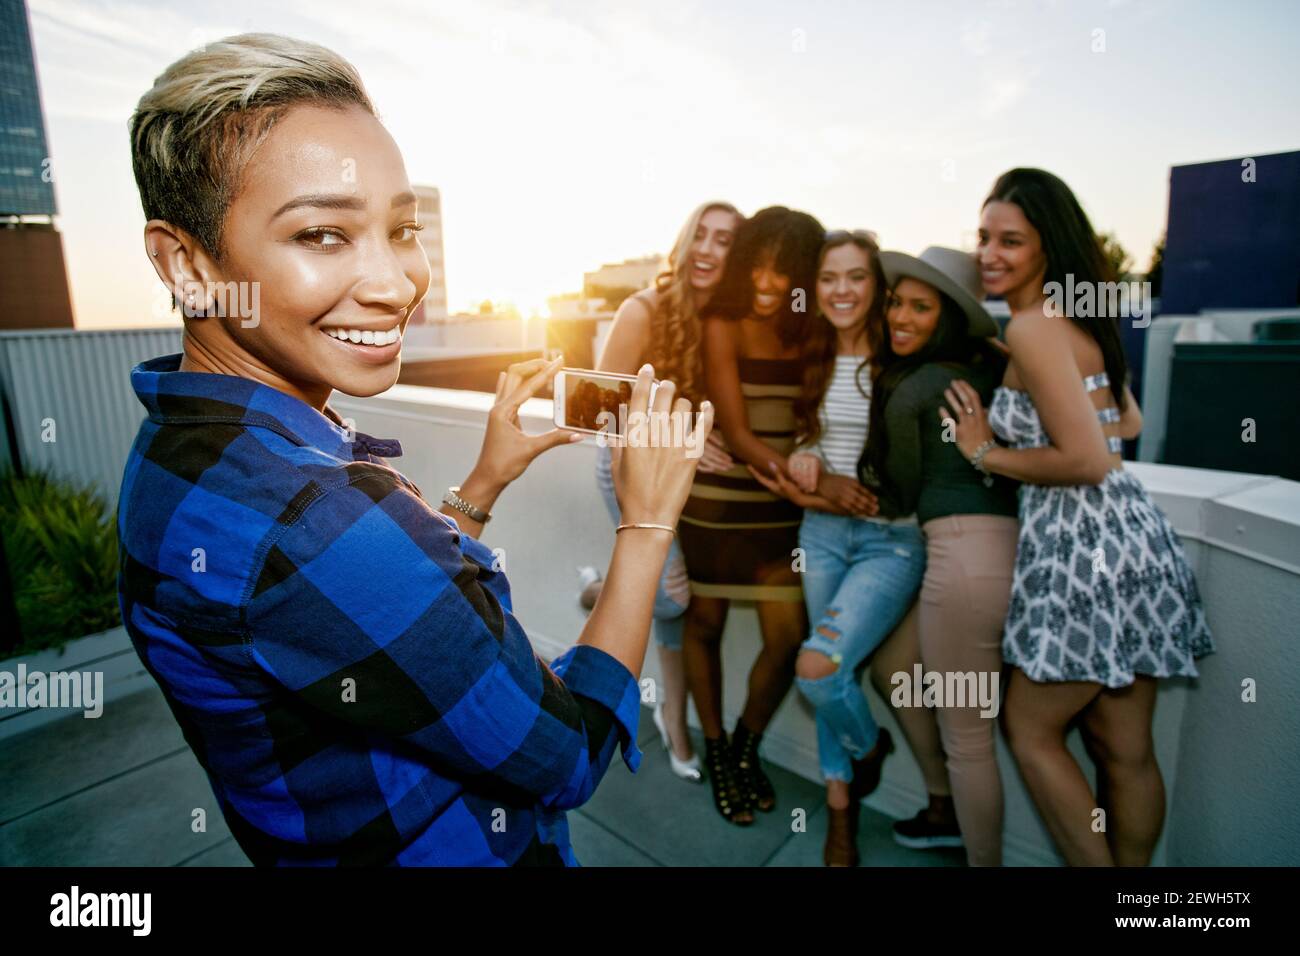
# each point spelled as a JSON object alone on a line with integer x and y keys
{"x": 953, "y": 273}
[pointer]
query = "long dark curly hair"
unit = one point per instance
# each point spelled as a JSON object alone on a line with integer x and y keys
{"x": 792, "y": 241}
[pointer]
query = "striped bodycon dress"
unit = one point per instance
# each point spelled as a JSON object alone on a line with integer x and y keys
{"x": 737, "y": 537}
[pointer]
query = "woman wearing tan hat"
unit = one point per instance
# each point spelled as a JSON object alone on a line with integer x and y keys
{"x": 938, "y": 332}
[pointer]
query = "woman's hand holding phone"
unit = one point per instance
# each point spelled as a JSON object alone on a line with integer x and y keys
{"x": 652, "y": 480}
{"x": 507, "y": 449}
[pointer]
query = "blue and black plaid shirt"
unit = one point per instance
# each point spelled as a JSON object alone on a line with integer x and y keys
{"x": 343, "y": 661}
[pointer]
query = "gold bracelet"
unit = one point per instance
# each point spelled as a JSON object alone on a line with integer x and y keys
{"x": 661, "y": 527}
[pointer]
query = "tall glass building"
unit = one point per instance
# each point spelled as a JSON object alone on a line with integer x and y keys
{"x": 26, "y": 186}
{"x": 33, "y": 278}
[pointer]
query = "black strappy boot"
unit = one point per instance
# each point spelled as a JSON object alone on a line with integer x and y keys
{"x": 727, "y": 795}
{"x": 754, "y": 785}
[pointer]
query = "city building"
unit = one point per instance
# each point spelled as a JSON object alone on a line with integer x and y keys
{"x": 614, "y": 282}
{"x": 1225, "y": 343}
{"x": 434, "y": 307}
{"x": 1233, "y": 241}
{"x": 574, "y": 305}
{"x": 33, "y": 278}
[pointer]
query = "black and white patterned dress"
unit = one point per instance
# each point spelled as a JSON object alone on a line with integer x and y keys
{"x": 1102, "y": 590}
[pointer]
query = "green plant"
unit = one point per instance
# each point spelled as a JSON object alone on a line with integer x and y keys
{"x": 1116, "y": 255}
{"x": 60, "y": 544}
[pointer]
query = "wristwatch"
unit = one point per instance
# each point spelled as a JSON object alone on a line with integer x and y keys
{"x": 464, "y": 507}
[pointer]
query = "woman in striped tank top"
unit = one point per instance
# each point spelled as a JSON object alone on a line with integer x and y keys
{"x": 865, "y": 556}
{"x": 739, "y": 539}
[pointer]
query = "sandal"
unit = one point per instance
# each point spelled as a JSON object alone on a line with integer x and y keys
{"x": 754, "y": 784}
{"x": 727, "y": 796}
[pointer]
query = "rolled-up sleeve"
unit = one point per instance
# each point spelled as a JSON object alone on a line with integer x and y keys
{"x": 597, "y": 678}
{"x": 373, "y": 609}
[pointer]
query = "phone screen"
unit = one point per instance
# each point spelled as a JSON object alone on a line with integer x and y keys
{"x": 592, "y": 401}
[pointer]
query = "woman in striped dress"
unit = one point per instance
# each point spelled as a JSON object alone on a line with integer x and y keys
{"x": 739, "y": 539}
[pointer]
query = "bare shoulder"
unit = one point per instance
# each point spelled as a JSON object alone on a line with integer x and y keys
{"x": 1029, "y": 329}
{"x": 717, "y": 328}
{"x": 719, "y": 339}
{"x": 1041, "y": 347}
{"x": 648, "y": 298}
{"x": 638, "y": 309}
{"x": 629, "y": 336}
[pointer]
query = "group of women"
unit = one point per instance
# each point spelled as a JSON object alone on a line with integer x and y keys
{"x": 891, "y": 483}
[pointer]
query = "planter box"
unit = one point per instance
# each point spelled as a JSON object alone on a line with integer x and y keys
{"x": 109, "y": 653}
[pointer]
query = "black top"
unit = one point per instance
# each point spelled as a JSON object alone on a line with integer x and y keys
{"x": 927, "y": 474}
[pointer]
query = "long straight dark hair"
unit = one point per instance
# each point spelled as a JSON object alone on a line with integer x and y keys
{"x": 949, "y": 344}
{"x": 1071, "y": 248}
{"x": 793, "y": 239}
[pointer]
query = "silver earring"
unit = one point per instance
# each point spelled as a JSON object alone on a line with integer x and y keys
{"x": 155, "y": 253}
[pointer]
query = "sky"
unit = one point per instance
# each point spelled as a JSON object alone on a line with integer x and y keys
{"x": 565, "y": 135}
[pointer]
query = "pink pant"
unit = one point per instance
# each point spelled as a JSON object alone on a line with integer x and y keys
{"x": 962, "y": 609}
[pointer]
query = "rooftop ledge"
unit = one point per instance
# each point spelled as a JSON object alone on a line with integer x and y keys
{"x": 1257, "y": 516}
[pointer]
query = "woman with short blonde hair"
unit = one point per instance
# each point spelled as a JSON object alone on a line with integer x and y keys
{"x": 345, "y": 661}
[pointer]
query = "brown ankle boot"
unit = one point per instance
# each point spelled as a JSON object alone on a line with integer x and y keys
{"x": 841, "y": 837}
{"x": 866, "y": 771}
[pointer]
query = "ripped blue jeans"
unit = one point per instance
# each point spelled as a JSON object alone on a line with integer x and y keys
{"x": 859, "y": 580}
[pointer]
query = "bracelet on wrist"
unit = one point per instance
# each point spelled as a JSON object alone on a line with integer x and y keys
{"x": 977, "y": 460}
{"x": 474, "y": 513}
{"x": 645, "y": 524}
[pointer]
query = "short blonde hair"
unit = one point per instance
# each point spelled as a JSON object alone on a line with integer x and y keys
{"x": 194, "y": 131}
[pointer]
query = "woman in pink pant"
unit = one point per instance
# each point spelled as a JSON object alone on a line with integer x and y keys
{"x": 939, "y": 331}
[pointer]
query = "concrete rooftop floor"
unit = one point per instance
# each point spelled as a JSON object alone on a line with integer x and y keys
{"x": 107, "y": 792}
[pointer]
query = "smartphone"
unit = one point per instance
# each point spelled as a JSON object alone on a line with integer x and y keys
{"x": 590, "y": 401}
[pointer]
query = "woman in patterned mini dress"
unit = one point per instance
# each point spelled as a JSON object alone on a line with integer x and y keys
{"x": 1103, "y": 603}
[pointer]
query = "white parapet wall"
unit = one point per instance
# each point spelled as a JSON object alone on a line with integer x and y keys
{"x": 1228, "y": 742}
